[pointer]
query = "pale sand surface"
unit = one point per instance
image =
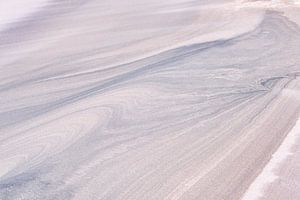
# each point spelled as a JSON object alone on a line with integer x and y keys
{"x": 148, "y": 100}
{"x": 13, "y": 11}
{"x": 287, "y": 186}
{"x": 260, "y": 187}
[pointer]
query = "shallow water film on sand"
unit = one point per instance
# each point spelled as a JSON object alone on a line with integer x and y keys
{"x": 149, "y": 100}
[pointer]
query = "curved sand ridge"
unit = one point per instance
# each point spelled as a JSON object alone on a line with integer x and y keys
{"x": 13, "y": 11}
{"x": 149, "y": 100}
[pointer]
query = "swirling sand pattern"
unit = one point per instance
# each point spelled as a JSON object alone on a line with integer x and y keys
{"x": 144, "y": 100}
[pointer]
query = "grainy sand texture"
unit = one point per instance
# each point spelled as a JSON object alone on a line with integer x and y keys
{"x": 149, "y": 100}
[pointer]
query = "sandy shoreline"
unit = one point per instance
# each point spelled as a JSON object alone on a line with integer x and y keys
{"x": 150, "y": 100}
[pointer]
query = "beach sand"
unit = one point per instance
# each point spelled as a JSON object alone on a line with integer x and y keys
{"x": 150, "y": 100}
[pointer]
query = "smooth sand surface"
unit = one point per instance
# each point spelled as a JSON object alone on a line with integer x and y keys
{"x": 149, "y": 100}
{"x": 283, "y": 155}
{"x": 13, "y": 11}
{"x": 287, "y": 185}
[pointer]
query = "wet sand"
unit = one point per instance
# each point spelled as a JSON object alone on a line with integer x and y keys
{"x": 149, "y": 100}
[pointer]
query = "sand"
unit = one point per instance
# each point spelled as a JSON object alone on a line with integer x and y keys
{"x": 150, "y": 100}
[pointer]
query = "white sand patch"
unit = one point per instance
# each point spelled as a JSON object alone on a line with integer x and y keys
{"x": 268, "y": 175}
{"x": 14, "y": 11}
